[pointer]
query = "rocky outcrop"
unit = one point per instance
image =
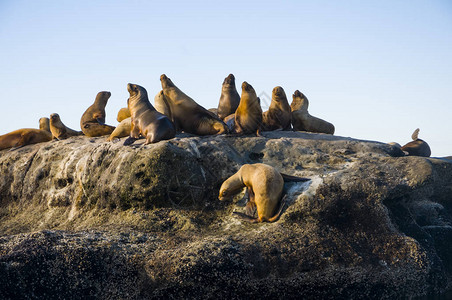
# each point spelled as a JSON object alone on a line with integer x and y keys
{"x": 85, "y": 218}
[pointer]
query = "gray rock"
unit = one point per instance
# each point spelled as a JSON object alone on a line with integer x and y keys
{"x": 83, "y": 218}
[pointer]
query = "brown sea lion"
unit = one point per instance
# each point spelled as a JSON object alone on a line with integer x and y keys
{"x": 26, "y": 136}
{"x": 265, "y": 188}
{"x": 229, "y": 99}
{"x": 123, "y": 114}
{"x": 44, "y": 124}
{"x": 122, "y": 130}
{"x": 417, "y": 147}
{"x": 92, "y": 121}
{"x": 214, "y": 111}
{"x": 22, "y": 137}
{"x": 188, "y": 115}
{"x": 146, "y": 120}
{"x": 278, "y": 115}
{"x": 303, "y": 121}
{"x": 161, "y": 104}
{"x": 248, "y": 116}
{"x": 59, "y": 130}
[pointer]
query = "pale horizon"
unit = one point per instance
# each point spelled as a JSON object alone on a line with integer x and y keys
{"x": 377, "y": 71}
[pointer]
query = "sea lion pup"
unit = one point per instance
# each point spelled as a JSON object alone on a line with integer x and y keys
{"x": 59, "y": 130}
{"x": 123, "y": 114}
{"x": 146, "y": 120}
{"x": 265, "y": 188}
{"x": 303, "y": 121}
{"x": 161, "y": 104}
{"x": 278, "y": 115}
{"x": 248, "y": 116}
{"x": 229, "y": 99}
{"x": 122, "y": 130}
{"x": 92, "y": 121}
{"x": 44, "y": 124}
{"x": 417, "y": 147}
{"x": 188, "y": 115}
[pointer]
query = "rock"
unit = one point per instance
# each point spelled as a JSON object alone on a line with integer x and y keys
{"x": 86, "y": 218}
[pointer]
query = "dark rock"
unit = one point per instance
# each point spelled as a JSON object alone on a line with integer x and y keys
{"x": 82, "y": 218}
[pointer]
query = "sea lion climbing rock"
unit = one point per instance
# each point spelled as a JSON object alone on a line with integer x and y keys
{"x": 92, "y": 121}
{"x": 303, "y": 121}
{"x": 188, "y": 115}
{"x": 417, "y": 147}
{"x": 278, "y": 115}
{"x": 265, "y": 187}
{"x": 146, "y": 120}
{"x": 248, "y": 116}
{"x": 59, "y": 130}
{"x": 229, "y": 99}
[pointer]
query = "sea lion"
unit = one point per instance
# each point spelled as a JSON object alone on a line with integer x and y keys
{"x": 26, "y": 136}
{"x": 214, "y": 111}
{"x": 417, "y": 147}
{"x": 123, "y": 114}
{"x": 278, "y": 115}
{"x": 188, "y": 115}
{"x": 229, "y": 99}
{"x": 146, "y": 120}
{"x": 92, "y": 121}
{"x": 122, "y": 130}
{"x": 303, "y": 121}
{"x": 22, "y": 137}
{"x": 161, "y": 104}
{"x": 44, "y": 124}
{"x": 248, "y": 116}
{"x": 265, "y": 188}
{"x": 59, "y": 130}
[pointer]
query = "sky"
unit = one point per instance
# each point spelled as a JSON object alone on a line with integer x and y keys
{"x": 377, "y": 70}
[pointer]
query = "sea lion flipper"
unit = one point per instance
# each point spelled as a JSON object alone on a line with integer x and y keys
{"x": 15, "y": 148}
{"x": 251, "y": 208}
{"x": 415, "y": 134}
{"x": 290, "y": 178}
{"x": 245, "y": 217}
{"x": 129, "y": 141}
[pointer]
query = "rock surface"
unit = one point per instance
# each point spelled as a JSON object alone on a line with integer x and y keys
{"x": 83, "y": 218}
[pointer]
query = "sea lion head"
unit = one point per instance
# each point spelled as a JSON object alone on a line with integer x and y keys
{"x": 44, "y": 124}
{"x": 102, "y": 97}
{"x": 136, "y": 92}
{"x": 225, "y": 194}
{"x": 297, "y": 93}
{"x": 55, "y": 118}
{"x": 247, "y": 87}
{"x": 230, "y": 80}
{"x": 278, "y": 93}
{"x": 166, "y": 82}
{"x": 299, "y": 101}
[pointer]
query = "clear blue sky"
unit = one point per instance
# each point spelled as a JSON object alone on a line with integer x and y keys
{"x": 376, "y": 69}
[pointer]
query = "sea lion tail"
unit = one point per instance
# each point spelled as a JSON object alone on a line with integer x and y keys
{"x": 415, "y": 134}
{"x": 290, "y": 178}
